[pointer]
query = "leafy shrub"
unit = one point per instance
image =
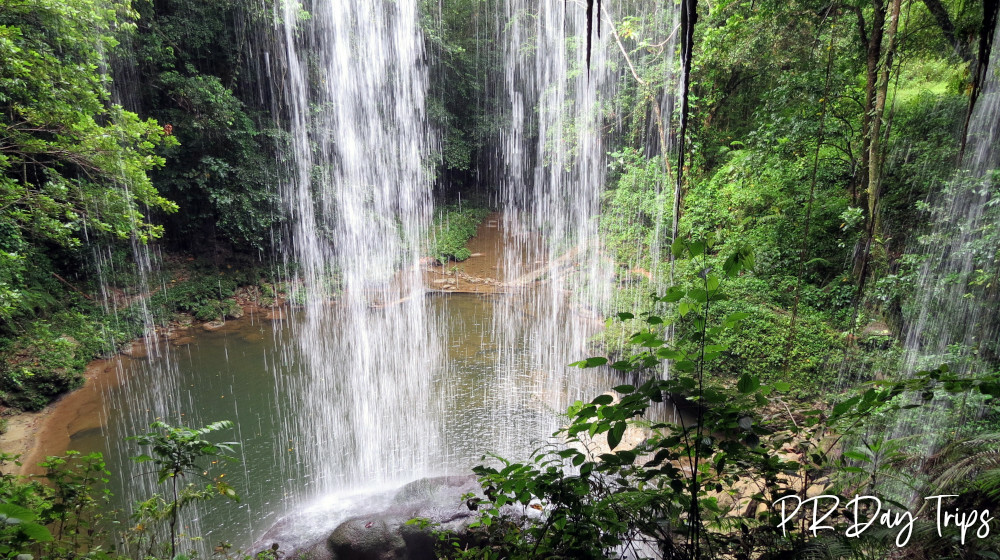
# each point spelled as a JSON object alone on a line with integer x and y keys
{"x": 452, "y": 229}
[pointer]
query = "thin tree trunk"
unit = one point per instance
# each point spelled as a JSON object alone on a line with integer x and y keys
{"x": 873, "y": 54}
{"x": 875, "y": 155}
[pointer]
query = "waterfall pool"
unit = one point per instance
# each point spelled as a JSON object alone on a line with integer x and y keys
{"x": 487, "y": 396}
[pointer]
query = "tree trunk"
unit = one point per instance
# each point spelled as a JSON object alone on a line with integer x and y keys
{"x": 875, "y": 156}
{"x": 873, "y": 53}
{"x": 940, "y": 15}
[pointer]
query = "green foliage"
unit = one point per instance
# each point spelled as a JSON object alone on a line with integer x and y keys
{"x": 635, "y": 207}
{"x": 60, "y": 518}
{"x": 191, "y": 55}
{"x": 50, "y": 356}
{"x": 759, "y": 197}
{"x": 177, "y": 453}
{"x": 73, "y": 165}
{"x": 461, "y": 63}
{"x": 201, "y": 296}
{"x": 452, "y": 229}
{"x": 701, "y": 482}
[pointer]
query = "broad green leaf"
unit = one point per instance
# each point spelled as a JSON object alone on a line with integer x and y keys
{"x": 615, "y": 434}
{"x": 748, "y": 384}
{"x": 589, "y": 363}
{"x": 35, "y": 532}
{"x": 677, "y": 248}
{"x": 845, "y": 406}
{"x": 857, "y": 456}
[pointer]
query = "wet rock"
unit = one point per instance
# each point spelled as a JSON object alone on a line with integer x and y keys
{"x": 213, "y": 325}
{"x": 369, "y": 539}
{"x": 385, "y": 534}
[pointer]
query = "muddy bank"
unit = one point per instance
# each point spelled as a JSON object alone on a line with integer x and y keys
{"x": 35, "y": 435}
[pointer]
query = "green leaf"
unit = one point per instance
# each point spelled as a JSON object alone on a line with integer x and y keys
{"x": 677, "y": 248}
{"x": 741, "y": 259}
{"x": 624, "y": 389}
{"x": 735, "y": 318}
{"x": 36, "y": 532}
{"x": 615, "y": 435}
{"x": 675, "y": 293}
{"x": 748, "y": 384}
{"x": 845, "y": 406}
{"x": 589, "y": 363}
{"x": 857, "y": 456}
{"x": 627, "y": 457}
{"x": 603, "y": 400}
{"x": 15, "y": 513}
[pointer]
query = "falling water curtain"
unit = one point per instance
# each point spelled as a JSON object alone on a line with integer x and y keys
{"x": 991, "y": 9}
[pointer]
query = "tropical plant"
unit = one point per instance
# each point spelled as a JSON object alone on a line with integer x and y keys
{"x": 177, "y": 452}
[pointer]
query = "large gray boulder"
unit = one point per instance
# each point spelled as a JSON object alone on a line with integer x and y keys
{"x": 384, "y": 533}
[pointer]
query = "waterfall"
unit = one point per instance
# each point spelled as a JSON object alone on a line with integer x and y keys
{"x": 957, "y": 292}
{"x": 552, "y": 161}
{"x": 354, "y": 77}
{"x": 376, "y": 382}
{"x": 953, "y": 316}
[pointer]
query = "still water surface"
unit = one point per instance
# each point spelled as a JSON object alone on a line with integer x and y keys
{"x": 487, "y": 397}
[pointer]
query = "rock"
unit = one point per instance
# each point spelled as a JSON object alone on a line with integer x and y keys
{"x": 213, "y": 325}
{"x": 385, "y": 535}
{"x": 366, "y": 538}
{"x": 476, "y": 255}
